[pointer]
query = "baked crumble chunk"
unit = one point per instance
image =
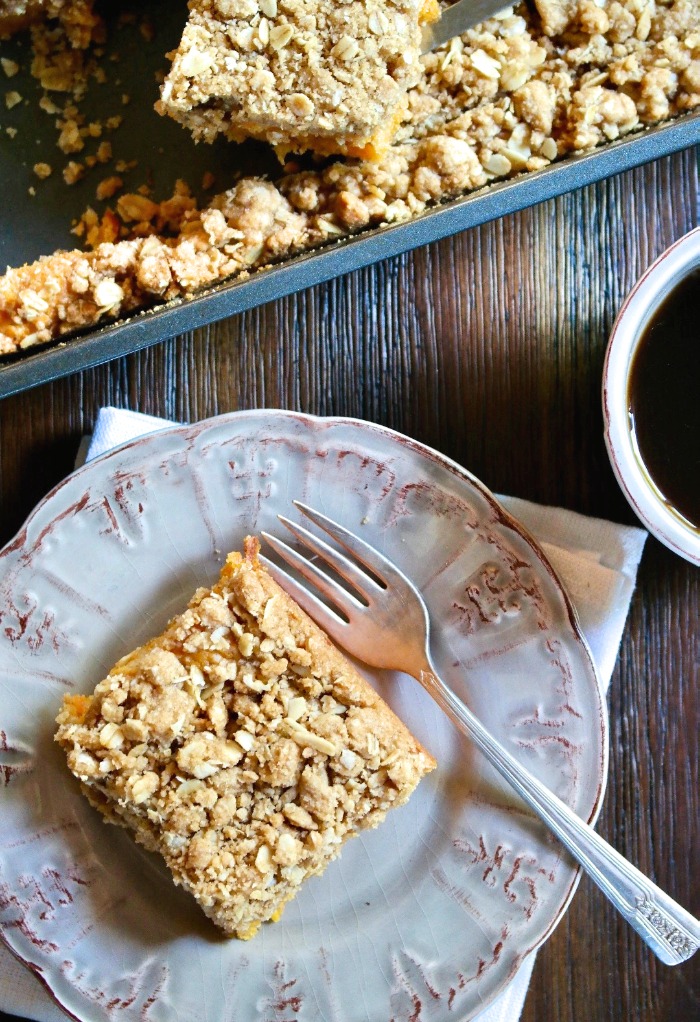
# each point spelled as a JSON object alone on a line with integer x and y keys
{"x": 301, "y": 74}
{"x": 242, "y": 746}
{"x": 76, "y": 16}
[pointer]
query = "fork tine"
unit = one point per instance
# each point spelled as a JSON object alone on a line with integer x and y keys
{"x": 332, "y": 590}
{"x": 367, "y": 555}
{"x": 357, "y": 578}
{"x": 314, "y": 607}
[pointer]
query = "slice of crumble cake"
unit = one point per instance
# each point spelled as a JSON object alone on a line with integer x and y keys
{"x": 242, "y": 746}
{"x": 301, "y": 74}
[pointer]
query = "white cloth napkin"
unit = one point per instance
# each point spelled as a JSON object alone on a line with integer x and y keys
{"x": 597, "y": 562}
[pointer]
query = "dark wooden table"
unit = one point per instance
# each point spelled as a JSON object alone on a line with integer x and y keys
{"x": 488, "y": 346}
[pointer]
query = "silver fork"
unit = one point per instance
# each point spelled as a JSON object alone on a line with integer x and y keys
{"x": 385, "y": 624}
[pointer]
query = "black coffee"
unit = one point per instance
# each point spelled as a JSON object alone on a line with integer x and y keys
{"x": 663, "y": 398}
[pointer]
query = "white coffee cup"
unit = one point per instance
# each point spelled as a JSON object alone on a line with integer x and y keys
{"x": 638, "y": 486}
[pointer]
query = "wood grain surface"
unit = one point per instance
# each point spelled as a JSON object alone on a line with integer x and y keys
{"x": 488, "y": 346}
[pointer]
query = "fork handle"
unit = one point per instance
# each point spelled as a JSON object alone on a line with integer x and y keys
{"x": 672, "y": 933}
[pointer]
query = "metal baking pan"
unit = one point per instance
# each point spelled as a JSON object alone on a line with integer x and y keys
{"x": 31, "y": 226}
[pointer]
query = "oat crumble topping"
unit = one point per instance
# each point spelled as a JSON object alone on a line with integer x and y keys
{"x": 241, "y": 746}
{"x": 511, "y": 95}
{"x": 328, "y": 75}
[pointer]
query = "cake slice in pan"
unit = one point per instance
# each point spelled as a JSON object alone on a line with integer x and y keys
{"x": 76, "y": 15}
{"x": 17, "y": 14}
{"x": 242, "y": 746}
{"x": 301, "y": 74}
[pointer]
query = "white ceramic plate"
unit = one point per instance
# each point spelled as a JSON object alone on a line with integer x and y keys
{"x": 427, "y": 917}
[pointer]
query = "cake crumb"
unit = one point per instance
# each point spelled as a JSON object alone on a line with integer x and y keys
{"x": 12, "y": 99}
{"x": 123, "y": 166}
{"x": 48, "y": 105}
{"x": 10, "y": 67}
{"x": 104, "y": 152}
{"x": 96, "y": 230}
{"x": 109, "y": 187}
{"x": 70, "y": 139}
{"x": 136, "y": 208}
{"x": 73, "y": 172}
{"x": 43, "y": 170}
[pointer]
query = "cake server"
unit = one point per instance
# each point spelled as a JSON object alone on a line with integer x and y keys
{"x": 457, "y": 19}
